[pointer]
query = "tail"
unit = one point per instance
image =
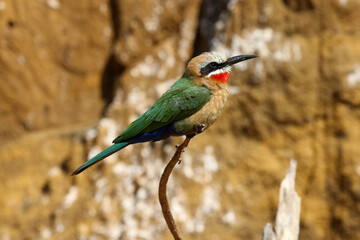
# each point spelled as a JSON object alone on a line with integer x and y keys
{"x": 110, "y": 150}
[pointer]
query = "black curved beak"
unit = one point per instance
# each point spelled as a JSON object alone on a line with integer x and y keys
{"x": 239, "y": 58}
{"x": 230, "y": 61}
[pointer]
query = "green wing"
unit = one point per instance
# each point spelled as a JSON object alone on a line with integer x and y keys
{"x": 182, "y": 100}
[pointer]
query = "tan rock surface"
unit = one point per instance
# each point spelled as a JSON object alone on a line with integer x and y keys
{"x": 75, "y": 73}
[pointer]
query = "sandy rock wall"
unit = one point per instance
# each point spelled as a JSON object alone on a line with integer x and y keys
{"x": 52, "y": 54}
{"x": 75, "y": 73}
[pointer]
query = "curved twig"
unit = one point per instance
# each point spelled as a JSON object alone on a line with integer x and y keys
{"x": 162, "y": 188}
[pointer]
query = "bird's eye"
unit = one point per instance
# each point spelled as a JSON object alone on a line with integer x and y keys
{"x": 213, "y": 65}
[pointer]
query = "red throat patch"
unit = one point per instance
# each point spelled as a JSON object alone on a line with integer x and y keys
{"x": 221, "y": 77}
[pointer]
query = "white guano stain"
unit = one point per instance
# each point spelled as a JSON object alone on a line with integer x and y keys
{"x": 357, "y": 170}
{"x": 101, "y": 188}
{"x": 234, "y": 90}
{"x": 91, "y": 134}
{"x": 46, "y": 233}
{"x": 60, "y": 227}
{"x": 206, "y": 165}
{"x": 161, "y": 88}
{"x": 93, "y": 152}
{"x": 53, "y": 4}
{"x": 208, "y": 207}
{"x": 54, "y": 172}
{"x": 110, "y": 127}
{"x": 343, "y": 2}
{"x": 107, "y": 32}
{"x": 231, "y": 5}
{"x": 152, "y": 23}
{"x": 148, "y": 68}
{"x": 2, "y": 5}
{"x": 229, "y": 217}
{"x": 354, "y": 78}
{"x": 259, "y": 70}
{"x": 186, "y": 39}
{"x": 267, "y": 43}
{"x": 140, "y": 102}
{"x": 103, "y": 8}
{"x": 70, "y": 197}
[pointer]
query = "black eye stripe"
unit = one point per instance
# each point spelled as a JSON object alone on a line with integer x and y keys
{"x": 213, "y": 65}
{"x": 210, "y": 67}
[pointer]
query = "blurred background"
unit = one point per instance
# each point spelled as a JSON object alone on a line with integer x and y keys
{"x": 74, "y": 74}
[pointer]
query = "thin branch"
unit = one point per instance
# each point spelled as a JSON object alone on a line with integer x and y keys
{"x": 162, "y": 188}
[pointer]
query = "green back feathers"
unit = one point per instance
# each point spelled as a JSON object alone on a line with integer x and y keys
{"x": 182, "y": 100}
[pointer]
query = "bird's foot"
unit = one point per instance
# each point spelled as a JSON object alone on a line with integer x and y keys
{"x": 199, "y": 129}
{"x": 202, "y": 128}
{"x": 196, "y": 130}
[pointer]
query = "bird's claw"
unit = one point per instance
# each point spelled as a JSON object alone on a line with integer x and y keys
{"x": 199, "y": 128}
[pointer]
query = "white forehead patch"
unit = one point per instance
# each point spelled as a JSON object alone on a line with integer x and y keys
{"x": 217, "y": 57}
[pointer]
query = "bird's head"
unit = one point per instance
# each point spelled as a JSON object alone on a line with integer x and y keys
{"x": 214, "y": 65}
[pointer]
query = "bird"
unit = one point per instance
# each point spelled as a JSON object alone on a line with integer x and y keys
{"x": 195, "y": 101}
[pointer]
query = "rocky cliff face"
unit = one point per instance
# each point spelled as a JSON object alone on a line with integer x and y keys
{"x": 75, "y": 73}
